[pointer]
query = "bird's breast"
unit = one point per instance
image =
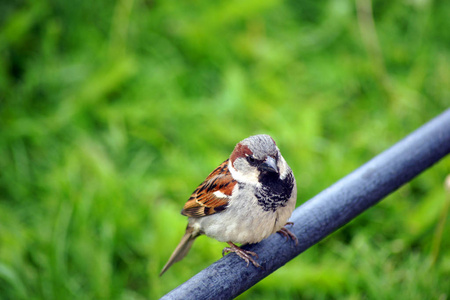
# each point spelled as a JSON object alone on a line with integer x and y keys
{"x": 245, "y": 220}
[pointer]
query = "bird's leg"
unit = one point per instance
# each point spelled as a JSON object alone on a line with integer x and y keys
{"x": 244, "y": 254}
{"x": 288, "y": 234}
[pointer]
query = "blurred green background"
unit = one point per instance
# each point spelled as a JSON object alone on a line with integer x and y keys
{"x": 112, "y": 112}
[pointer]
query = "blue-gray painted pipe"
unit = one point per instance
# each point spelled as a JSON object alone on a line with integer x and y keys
{"x": 326, "y": 212}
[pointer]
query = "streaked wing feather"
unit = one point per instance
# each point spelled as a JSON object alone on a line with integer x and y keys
{"x": 203, "y": 201}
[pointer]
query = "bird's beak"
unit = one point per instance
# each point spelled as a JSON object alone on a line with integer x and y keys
{"x": 269, "y": 165}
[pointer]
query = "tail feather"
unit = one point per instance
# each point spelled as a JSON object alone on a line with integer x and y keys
{"x": 182, "y": 249}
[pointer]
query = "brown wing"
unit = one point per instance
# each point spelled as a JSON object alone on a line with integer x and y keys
{"x": 203, "y": 201}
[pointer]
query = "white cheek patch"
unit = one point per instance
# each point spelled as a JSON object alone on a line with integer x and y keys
{"x": 219, "y": 194}
{"x": 282, "y": 166}
{"x": 251, "y": 178}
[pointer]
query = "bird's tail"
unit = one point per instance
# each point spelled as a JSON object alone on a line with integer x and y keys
{"x": 182, "y": 249}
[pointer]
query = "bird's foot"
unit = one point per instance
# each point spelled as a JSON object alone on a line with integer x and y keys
{"x": 288, "y": 234}
{"x": 244, "y": 254}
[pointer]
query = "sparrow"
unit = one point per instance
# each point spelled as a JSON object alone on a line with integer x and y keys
{"x": 250, "y": 196}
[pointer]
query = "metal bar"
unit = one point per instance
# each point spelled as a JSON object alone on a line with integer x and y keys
{"x": 326, "y": 212}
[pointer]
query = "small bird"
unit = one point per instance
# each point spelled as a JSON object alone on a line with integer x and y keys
{"x": 247, "y": 198}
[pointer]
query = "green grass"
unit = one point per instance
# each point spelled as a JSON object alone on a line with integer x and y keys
{"x": 112, "y": 113}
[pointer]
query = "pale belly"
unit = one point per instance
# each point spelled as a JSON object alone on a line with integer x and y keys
{"x": 244, "y": 222}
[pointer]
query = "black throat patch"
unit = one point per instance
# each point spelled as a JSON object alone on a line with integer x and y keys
{"x": 274, "y": 191}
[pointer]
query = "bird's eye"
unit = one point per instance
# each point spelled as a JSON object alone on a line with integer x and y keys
{"x": 251, "y": 159}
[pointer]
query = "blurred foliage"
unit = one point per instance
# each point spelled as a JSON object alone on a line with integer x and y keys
{"x": 112, "y": 112}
